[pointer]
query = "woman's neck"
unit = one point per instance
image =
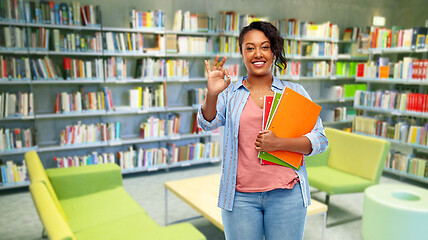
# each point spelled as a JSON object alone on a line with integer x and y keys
{"x": 260, "y": 81}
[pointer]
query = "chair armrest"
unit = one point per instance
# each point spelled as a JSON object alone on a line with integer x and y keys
{"x": 319, "y": 159}
{"x": 79, "y": 181}
{"x": 53, "y": 222}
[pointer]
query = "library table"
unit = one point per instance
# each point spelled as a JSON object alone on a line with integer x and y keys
{"x": 201, "y": 193}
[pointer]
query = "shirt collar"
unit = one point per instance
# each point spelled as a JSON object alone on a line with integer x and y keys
{"x": 276, "y": 84}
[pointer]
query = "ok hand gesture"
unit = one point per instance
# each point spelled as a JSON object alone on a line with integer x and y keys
{"x": 216, "y": 83}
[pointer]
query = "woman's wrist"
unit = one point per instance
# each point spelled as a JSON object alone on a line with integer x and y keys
{"x": 212, "y": 95}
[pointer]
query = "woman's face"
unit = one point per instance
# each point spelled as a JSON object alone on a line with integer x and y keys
{"x": 256, "y": 53}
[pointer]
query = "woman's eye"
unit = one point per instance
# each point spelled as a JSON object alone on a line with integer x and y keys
{"x": 250, "y": 48}
{"x": 265, "y": 47}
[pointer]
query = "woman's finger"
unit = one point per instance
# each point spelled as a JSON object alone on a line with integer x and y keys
{"x": 215, "y": 63}
{"x": 264, "y": 131}
{"x": 220, "y": 65}
{"x": 226, "y": 73}
{"x": 207, "y": 67}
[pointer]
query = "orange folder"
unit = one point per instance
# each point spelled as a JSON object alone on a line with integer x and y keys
{"x": 294, "y": 116}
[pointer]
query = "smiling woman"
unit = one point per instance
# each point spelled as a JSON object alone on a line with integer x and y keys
{"x": 257, "y": 200}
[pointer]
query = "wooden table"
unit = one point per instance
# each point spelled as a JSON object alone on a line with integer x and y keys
{"x": 201, "y": 193}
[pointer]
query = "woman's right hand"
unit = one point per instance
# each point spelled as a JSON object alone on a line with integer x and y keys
{"x": 216, "y": 83}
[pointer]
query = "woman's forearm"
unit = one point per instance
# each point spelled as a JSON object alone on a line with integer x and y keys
{"x": 209, "y": 107}
{"x": 300, "y": 145}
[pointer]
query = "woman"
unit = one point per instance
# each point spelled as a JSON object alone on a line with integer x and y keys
{"x": 257, "y": 200}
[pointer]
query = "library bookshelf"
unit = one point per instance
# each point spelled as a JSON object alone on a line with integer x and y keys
{"x": 397, "y": 115}
{"x": 121, "y": 60}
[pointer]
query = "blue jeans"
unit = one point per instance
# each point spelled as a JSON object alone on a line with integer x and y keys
{"x": 278, "y": 214}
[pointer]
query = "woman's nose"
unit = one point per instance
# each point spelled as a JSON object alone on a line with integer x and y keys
{"x": 258, "y": 52}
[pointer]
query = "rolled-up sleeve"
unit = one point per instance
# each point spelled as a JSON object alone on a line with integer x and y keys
{"x": 220, "y": 117}
{"x": 317, "y": 136}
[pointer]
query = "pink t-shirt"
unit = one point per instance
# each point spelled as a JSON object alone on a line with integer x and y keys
{"x": 251, "y": 175}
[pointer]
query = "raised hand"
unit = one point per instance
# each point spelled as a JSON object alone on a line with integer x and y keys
{"x": 216, "y": 83}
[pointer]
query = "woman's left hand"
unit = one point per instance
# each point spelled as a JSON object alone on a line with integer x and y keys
{"x": 266, "y": 141}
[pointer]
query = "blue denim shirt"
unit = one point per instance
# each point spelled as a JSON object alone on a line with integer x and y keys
{"x": 230, "y": 104}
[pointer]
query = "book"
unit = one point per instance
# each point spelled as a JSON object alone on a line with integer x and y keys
{"x": 294, "y": 116}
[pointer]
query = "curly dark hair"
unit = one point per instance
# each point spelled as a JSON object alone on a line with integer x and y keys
{"x": 276, "y": 41}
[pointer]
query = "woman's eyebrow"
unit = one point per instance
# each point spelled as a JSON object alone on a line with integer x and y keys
{"x": 254, "y": 43}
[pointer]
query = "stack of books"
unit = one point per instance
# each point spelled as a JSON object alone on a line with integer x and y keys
{"x": 288, "y": 115}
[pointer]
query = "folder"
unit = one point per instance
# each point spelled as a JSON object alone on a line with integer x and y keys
{"x": 267, "y": 104}
{"x": 294, "y": 116}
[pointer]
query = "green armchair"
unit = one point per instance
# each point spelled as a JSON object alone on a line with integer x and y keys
{"x": 350, "y": 164}
{"x": 90, "y": 203}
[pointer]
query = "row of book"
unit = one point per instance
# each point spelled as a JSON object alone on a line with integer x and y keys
{"x": 84, "y": 69}
{"x": 22, "y": 104}
{"x": 26, "y": 68}
{"x": 85, "y": 160}
{"x": 19, "y": 104}
{"x": 147, "y": 97}
{"x": 83, "y": 101}
{"x": 149, "y": 19}
{"x": 295, "y": 27}
{"x": 315, "y": 69}
{"x": 293, "y": 47}
{"x": 343, "y": 113}
{"x": 407, "y": 163}
{"x": 12, "y": 173}
{"x": 117, "y": 68}
{"x": 354, "y": 33}
{"x": 393, "y": 100}
{"x": 193, "y": 152}
{"x": 345, "y": 91}
{"x": 40, "y": 38}
{"x": 397, "y": 37}
{"x": 131, "y": 158}
{"x": 201, "y": 45}
{"x": 305, "y": 69}
{"x": 110, "y": 68}
{"x": 74, "y": 42}
{"x": 122, "y": 42}
{"x": 231, "y": 21}
{"x": 193, "y": 22}
{"x": 155, "y": 127}
{"x": 408, "y": 69}
{"x": 405, "y": 131}
{"x": 177, "y": 68}
{"x": 49, "y": 12}
{"x": 319, "y": 49}
{"x": 14, "y": 37}
{"x": 139, "y": 158}
{"x": 227, "y": 45}
{"x": 91, "y": 133}
{"x": 345, "y": 69}
{"x": 292, "y": 69}
{"x": 197, "y": 45}
{"x": 15, "y": 138}
{"x": 197, "y": 96}
{"x": 159, "y": 68}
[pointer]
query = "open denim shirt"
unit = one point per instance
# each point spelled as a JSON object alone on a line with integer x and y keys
{"x": 230, "y": 104}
